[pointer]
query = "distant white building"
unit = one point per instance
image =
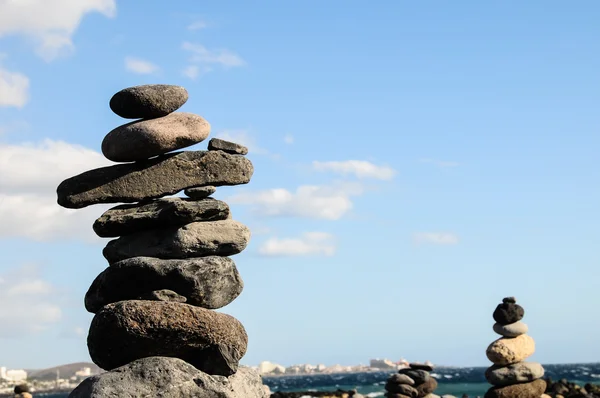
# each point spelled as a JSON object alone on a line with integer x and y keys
{"x": 384, "y": 364}
{"x": 12, "y": 375}
{"x": 267, "y": 367}
{"x": 84, "y": 372}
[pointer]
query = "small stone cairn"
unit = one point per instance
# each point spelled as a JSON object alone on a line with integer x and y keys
{"x": 22, "y": 391}
{"x": 510, "y": 376}
{"x": 412, "y": 382}
{"x": 155, "y": 329}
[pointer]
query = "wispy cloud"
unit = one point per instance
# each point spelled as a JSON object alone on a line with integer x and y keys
{"x": 203, "y": 60}
{"x": 197, "y": 25}
{"x": 359, "y": 168}
{"x": 439, "y": 163}
{"x": 51, "y": 24}
{"x": 436, "y": 238}
{"x": 14, "y": 88}
{"x": 140, "y": 66}
{"x": 309, "y": 244}
{"x": 288, "y": 139}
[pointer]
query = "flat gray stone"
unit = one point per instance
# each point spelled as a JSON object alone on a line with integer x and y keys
{"x": 148, "y": 101}
{"x": 122, "y": 332}
{"x": 163, "y": 295}
{"x": 200, "y": 192}
{"x": 198, "y": 239}
{"x": 209, "y": 282}
{"x": 144, "y": 139}
{"x": 512, "y": 329}
{"x": 169, "y": 378}
{"x": 217, "y": 144}
{"x": 522, "y": 372}
{"x": 161, "y": 213}
{"x": 154, "y": 178}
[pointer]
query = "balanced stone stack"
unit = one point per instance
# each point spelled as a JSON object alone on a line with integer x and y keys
{"x": 154, "y": 328}
{"x": 510, "y": 375}
{"x": 412, "y": 382}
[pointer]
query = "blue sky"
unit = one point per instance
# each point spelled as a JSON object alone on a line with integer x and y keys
{"x": 415, "y": 162}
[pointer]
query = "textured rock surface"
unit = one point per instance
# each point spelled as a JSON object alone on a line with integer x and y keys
{"x": 148, "y": 101}
{"x": 163, "y": 295}
{"x": 216, "y": 144}
{"x": 128, "y": 330}
{"x": 511, "y": 330}
{"x": 209, "y": 282}
{"x": 169, "y": 378}
{"x": 521, "y": 372}
{"x": 525, "y": 390}
{"x": 398, "y": 378}
{"x": 403, "y": 389}
{"x": 200, "y": 192}
{"x": 221, "y": 238}
{"x": 153, "y": 178}
{"x": 507, "y": 313}
{"x": 505, "y": 351}
{"x": 160, "y": 213}
{"x": 419, "y": 376}
{"x": 144, "y": 139}
{"x": 428, "y": 387}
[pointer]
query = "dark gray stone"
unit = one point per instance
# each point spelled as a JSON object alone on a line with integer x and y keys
{"x": 398, "y": 378}
{"x": 521, "y": 372}
{"x": 153, "y": 178}
{"x": 200, "y": 192}
{"x": 421, "y": 366}
{"x": 507, "y": 313}
{"x": 169, "y": 378}
{"x": 509, "y": 300}
{"x": 217, "y": 144}
{"x": 209, "y": 282}
{"x": 511, "y": 330}
{"x": 128, "y": 330}
{"x": 148, "y": 101}
{"x": 403, "y": 389}
{"x": 419, "y": 376}
{"x": 533, "y": 389}
{"x": 163, "y": 295}
{"x": 427, "y": 388}
{"x": 161, "y": 213}
{"x": 199, "y": 239}
{"x": 144, "y": 139}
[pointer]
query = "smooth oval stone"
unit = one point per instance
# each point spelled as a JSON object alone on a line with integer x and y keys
{"x": 521, "y": 372}
{"x": 144, "y": 139}
{"x": 200, "y": 192}
{"x": 534, "y": 389}
{"x": 129, "y": 330}
{"x": 506, "y": 351}
{"x": 428, "y": 387}
{"x": 153, "y": 178}
{"x": 511, "y": 330}
{"x": 148, "y": 101}
{"x": 217, "y": 144}
{"x": 419, "y": 376}
{"x": 403, "y": 389}
{"x": 161, "y": 213}
{"x": 209, "y": 282}
{"x": 197, "y": 239}
{"x": 507, "y": 313}
{"x": 163, "y": 295}
{"x": 398, "y": 378}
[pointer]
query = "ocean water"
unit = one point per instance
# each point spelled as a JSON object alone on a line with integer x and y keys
{"x": 455, "y": 381}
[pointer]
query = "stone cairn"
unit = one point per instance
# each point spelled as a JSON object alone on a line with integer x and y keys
{"x": 412, "y": 382}
{"x": 510, "y": 376}
{"x": 154, "y": 328}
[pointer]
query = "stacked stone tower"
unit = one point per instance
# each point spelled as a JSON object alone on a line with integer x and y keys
{"x": 154, "y": 327}
{"x": 510, "y": 375}
{"x": 412, "y": 382}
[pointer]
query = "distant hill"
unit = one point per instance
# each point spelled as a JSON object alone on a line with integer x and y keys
{"x": 64, "y": 371}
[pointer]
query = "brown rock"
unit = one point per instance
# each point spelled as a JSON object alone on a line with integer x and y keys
{"x": 428, "y": 387}
{"x": 163, "y": 295}
{"x": 404, "y": 389}
{"x": 200, "y": 192}
{"x": 153, "y": 178}
{"x": 217, "y": 144}
{"x": 198, "y": 239}
{"x": 160, "y": 213}
{"x": 148, "y": 101}
{"x": 128, "y": 330}
{"x": 506, "y": 351}
{"x": 524, "y": 390}
{"x": 398, "y": 378}
{"x": 144, "y": 139}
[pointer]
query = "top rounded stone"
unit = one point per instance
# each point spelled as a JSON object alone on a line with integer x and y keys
{"x": 148, "y": 101}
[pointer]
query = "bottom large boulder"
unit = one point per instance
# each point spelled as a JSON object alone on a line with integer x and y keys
{"x": 165, "y": 377}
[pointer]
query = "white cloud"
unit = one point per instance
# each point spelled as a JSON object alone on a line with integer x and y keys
{"x": 202, "y": 59}
{"x": 360, "y": 168}
{"x": 49, "y": 23}
{"x": 14, "y": 87}
{"x": 288, "y": 139}
{"x": 310, "y": 243}
{"x": 29, "y": 303}
{"x": 310, "y": 201}
{"x": 197, "y": 25}
{"x": 29, "y": 175}
{"x": 140, "y": 66}
{"x": 436, "y": 238}
{"x": 440, "y": 163}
